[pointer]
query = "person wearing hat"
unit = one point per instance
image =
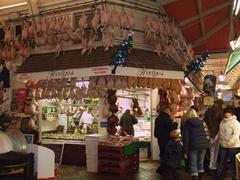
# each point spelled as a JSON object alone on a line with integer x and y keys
{"x": 228, "y": 136}
{"x": 213, "y": 116}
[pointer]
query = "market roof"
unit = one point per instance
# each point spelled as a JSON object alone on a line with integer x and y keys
{"x": 205, "y": 24}
{"x": 73, "y": 59}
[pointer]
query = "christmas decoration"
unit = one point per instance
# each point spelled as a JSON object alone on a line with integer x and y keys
{"x": 197, "y": 64}
{"x": 120, "y": 57}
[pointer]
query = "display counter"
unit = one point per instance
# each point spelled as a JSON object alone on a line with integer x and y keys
{"x": 67, "y": 152}
{"x": 237, "y": 158}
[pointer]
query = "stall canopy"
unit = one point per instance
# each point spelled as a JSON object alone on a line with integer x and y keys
{"x": 72, "y": 64}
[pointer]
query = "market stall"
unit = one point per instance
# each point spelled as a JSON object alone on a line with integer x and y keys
{"x": 60, "y": 95}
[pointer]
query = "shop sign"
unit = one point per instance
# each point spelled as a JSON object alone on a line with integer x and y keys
{"x": 24, "y": 76}
{"x": 99, "y": 71}
{"x": 150, "y": 73}
{"x": 103, "y": 124}
{"x": 233, "y": 60}
{"x": 61, "y": 74}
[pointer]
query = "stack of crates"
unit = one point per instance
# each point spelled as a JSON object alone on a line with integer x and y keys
{"x": 112, "y": 159}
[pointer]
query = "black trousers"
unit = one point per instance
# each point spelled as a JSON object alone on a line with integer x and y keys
{"x": 162, "y": 145}
{"x": 171, "y": 173}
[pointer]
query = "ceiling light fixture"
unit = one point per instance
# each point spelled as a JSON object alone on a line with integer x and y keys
{"x": 13, "y": 5}
{"x": 235, "y": 43}
{"x": 236, "y": 7}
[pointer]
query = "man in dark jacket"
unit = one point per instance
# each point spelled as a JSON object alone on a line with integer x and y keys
{"x": 213, "y": 117}
{"x": 163, "y": 126}
{"x": 127, "y": 121}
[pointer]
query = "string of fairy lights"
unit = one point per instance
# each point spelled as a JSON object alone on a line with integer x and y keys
{"x": 120, "y": 57}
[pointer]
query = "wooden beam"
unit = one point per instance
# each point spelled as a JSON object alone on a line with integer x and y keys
{"x": 33, "y": 7}
{"x": 204, "y": 14}
{"x": 211, "y": 32}
{"x": 199, "y": 6}
{"x": 165, "y": 2}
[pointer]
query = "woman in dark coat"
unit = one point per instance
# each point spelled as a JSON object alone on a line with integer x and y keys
{"x": 195, "y": 143}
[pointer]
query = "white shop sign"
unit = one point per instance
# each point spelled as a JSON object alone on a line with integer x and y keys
{"x": 100, "y": 71}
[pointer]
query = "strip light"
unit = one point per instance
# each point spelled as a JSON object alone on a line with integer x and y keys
{"x": 236, "y": 7}
{"x": 13, "y": 5}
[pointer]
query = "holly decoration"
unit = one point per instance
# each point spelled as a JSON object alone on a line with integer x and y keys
{"x": 120, "y": 57}
{"x": 197, "y": 64}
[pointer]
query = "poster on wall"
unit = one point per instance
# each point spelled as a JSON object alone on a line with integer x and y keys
{"x": 208, "y": 100}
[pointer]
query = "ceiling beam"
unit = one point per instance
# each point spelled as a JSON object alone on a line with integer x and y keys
{"x": 199, "y": 6}
{"x": 165, "y": 2}
{"x": 204, "y": 14}
{"x": 211, "y": 32}
{"x": 33, "y": 7}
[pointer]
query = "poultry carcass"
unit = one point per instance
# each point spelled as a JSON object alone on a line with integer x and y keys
{"x": 105, "y": 16}
{"x": 95, "y": 20}
{"x": 66, "y": 24}
{"x": 39, "y": 25}
{"x": 18, "y": 42}
{"x": 130, "y": 20}
{"x": 155, "y": 25}
{"x": 58, "y": 49}
{"x": 25, "y": 29}
{"x": 51, "y": 29}
{"x": 123, "y": 19}
{"x": 84, "y": 44}
{"x": 158, "y": 47}
{"x": 31, "y": 29}
{"x": 59, "y": 24}
{"x": 9, "y": 34}
{"x": 92, "y": 43}
{"x": 115, "y": 16}
{"x": 147, "y": 23}
{"x": 82, "y": 21}
{"x": 107, "y": 40}
{"x": 45, "y": 25}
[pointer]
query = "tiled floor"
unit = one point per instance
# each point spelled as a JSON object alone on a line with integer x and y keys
{"x": 146, "y": 172}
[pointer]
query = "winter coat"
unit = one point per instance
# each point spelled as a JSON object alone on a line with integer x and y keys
{"x": 126, "y": 122}
{"x": 173, "y": 154}
{"x": 163, "y": 126}
{"x": 229, "y": 132}
{"x": 195, "y": 135}
{"x": 213, "y": 116}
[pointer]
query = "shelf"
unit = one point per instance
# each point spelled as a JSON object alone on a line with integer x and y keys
{"x": 20, "y": 114}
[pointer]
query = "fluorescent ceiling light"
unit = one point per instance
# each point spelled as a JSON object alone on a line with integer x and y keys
{"x": 235, "y": 43}
{"x": 236, "y": 7}
{"x": 13, "y": 5}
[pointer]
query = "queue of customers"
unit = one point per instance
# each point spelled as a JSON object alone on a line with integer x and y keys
{"x": 214, "y": 138}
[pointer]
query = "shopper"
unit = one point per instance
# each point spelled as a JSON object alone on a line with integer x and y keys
{"x": 195, "y": 143}
{"x": 173, "y": 155}
{"x": 185, "y": 117}
{"x": 127, "y": 121}
{"x": 228, "y": 136}
{"x": 163, "y": 126}
{"x": 213, "y": 116}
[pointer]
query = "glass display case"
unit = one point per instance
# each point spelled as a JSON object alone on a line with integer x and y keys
{"x": 68, "y": 119}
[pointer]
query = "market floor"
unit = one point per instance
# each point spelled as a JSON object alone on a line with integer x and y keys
{"x": 146, "y": 172}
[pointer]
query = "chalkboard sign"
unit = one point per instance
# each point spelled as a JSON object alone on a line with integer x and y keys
{"x": 57, "y": 149}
